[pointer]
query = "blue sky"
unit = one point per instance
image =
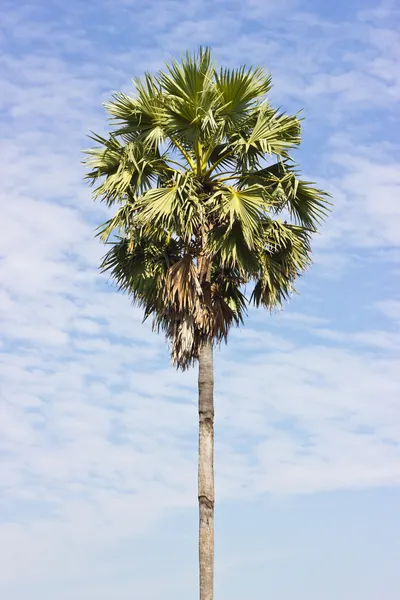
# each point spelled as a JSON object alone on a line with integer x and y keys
{"x": 97, "y": 432}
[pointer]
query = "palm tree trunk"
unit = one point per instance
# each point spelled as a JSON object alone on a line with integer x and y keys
{"x": 206, "y": 472}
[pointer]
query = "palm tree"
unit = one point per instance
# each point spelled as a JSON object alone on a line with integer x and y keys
{"x": 209, "y": 204}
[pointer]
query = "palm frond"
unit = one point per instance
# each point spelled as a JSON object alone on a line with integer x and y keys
{"x": 240, "y": 90}
{"x": 273, "y": 133}
{"x": 120, "y": 224}
{"x": 182, "y": 287}
{"x": 229, "y": 246}
{"x": 308, "y": 206}
{"x": 245, "y": 206}
{"x": 174, "y": 208}
{"x": 120, "y": 169}
{"x": 285, "y": 255}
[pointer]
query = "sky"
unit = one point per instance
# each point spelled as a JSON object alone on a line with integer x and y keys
{"x": 98, "y": 432}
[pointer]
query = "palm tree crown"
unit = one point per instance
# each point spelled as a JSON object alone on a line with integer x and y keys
{"x": 209, "y": 200}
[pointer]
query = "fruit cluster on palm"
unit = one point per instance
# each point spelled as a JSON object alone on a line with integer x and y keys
{"x": 209, "y": 206}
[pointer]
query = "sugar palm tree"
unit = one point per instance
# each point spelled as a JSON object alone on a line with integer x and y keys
{"x": 209, "y": 203}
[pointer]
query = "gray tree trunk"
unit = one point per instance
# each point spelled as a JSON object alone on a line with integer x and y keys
{"x": 206, "y": 472}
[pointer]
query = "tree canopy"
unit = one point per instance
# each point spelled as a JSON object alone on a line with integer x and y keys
{"x": 211, "y": 215}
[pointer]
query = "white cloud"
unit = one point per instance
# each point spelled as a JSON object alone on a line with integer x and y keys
{"x": 390, "y": 308}
{"x": 385, "y": 340}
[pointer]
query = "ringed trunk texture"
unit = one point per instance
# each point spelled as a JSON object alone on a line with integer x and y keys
{"x": 206, "y": 472}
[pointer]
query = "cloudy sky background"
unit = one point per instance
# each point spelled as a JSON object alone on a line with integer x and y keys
{"x": 97, "y": 432}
